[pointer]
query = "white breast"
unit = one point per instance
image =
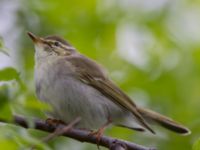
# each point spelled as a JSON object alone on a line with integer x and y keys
{"x": 71, "y": 98}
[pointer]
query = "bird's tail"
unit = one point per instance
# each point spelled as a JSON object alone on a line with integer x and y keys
{"x": 164, "y": 121}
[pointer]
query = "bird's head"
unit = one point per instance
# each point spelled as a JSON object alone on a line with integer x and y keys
{"x": 51, "y": 46}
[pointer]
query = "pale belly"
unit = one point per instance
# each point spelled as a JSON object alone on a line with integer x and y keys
{"x": 70, "y": 98}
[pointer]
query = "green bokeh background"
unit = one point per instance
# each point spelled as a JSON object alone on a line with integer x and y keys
{"x": 151, "y": 49}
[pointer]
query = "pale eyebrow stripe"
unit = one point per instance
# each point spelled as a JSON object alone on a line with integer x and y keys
{"x": 67, "y": 47}
{"x": 62, "y": 45}
{"x": 51, "y": 41}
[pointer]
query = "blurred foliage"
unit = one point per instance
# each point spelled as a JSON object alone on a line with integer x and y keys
{"x": 2, "y": 47}
{"x": 8, "y": 74}
{"x": 151, "y": 49}
{"x": 196, "y": 145}
{"x": 5, "y": 111}
{"x": 11, "y": 138}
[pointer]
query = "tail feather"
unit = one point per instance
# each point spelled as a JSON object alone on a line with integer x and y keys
{"x": 163, "y": 121}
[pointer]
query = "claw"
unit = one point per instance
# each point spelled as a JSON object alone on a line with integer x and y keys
{"x": 99, "y": 132}
{"x": 54, "y": 122}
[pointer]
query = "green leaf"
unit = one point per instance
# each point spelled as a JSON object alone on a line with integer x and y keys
{"x": 6, "y": 112}
{"x": 8, "y": 74}
{"x": 196, "y": 145}
{"x": 1, "y": 43}
{"x": 5, "y": 109}
{"x": 7, "y": 144}
{"x": 36, "y": 104}
{"x": 19, "y": 138}
{"x": 3, "y": 49}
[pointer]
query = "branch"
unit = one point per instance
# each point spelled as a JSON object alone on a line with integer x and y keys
{"x": 82, "y": 135}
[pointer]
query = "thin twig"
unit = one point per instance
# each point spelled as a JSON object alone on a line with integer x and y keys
{"x": 118, "y": 146}
{"x": 80, "y": 135}
{"x": 59, "y": 131}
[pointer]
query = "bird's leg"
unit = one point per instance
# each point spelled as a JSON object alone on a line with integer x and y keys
{"x": 100, "y": 131}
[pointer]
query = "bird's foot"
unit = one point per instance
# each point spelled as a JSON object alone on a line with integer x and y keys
{"x": 99, "y": 132}
{"x": 54, "y": 122}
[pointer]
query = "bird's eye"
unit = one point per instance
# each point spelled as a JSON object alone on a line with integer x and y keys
{"x": 56, "y": 43}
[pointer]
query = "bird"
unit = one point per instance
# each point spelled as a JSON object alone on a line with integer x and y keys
{"x": 77, "y": 86}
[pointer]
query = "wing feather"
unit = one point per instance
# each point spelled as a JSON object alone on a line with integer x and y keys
{"x": 97, "y": 78}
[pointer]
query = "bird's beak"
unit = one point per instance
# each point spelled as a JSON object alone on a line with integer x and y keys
{"x": 34, "y": 38}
